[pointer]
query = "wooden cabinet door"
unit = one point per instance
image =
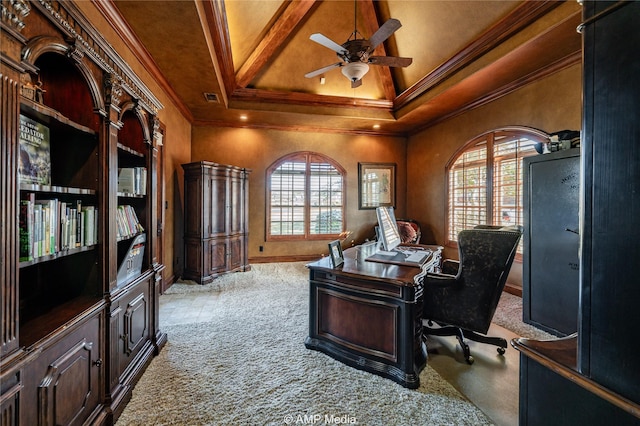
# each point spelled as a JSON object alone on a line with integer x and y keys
{"x": 68, "y": 390}
{"x": 130, "y": 325}
{"x": 193, "y": 223}
{"x": 217, "y": 206}
{"x": 236, "y": 252}
{"x": 218, "y": 259}
{"x": 236, "y": 203}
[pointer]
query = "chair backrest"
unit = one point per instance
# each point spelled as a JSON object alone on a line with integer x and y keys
{"x": 486, "y": 255}
{"x": 409, "y": 231}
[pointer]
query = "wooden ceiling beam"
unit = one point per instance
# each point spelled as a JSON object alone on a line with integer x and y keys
{"x": 522, "y": 16}
{"x": 271, "y": 43}
{"x": 371, "y": 22}
{"x": 214, "y": 24}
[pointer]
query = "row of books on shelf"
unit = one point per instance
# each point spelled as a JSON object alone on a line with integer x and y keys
{"x": 50, "y": 226}
{"x": 132, "y": 180}
{"x": 127, "y": 221}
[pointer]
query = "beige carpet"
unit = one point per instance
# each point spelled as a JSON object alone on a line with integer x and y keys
{"x": 249, "y": 366}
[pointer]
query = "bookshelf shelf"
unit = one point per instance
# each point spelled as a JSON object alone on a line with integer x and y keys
{"x": 62, "y": 253}
{"x": 131, "y": 151}
{"x": 55, "y": 320}
{"x": 28, "y": 187}
{"x": 50, "y": 116}
{"x": 128, "y": 195}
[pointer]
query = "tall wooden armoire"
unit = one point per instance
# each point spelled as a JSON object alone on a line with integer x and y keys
{"x": 216, "y": 220}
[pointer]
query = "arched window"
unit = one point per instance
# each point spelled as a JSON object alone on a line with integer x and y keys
{"x": 306, "y": 196}
{"x": 485, "y": 180}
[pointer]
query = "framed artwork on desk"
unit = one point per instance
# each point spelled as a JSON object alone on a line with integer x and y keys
{"x": 377, "y": 185}
{"x": 335, "y": 251}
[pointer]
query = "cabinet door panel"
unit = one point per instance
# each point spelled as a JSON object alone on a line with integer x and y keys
{"x": 236, "y": 209}
{"x": 68, "y": 393}
{"x": 218, "y": 256}
{"x": 133, "y": 319}
{"x": 136, "y": 325}
{"x": 219, "y": 199}
{"x": 236, "y": 253}
{"x": 193, "y": 203}
{"x": 68, "y": 379}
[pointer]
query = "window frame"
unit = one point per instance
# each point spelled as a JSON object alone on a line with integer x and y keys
{"x": 307, "y": 157}
{"x": 488, "y": 139}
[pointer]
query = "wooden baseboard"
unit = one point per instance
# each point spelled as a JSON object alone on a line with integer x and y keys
{"x": 515, "y": 290}
{"x": 274, "y": 259}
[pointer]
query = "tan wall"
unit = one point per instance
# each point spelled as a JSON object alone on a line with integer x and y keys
{"x": 258, "y": 149}
{"x": 550, "y": 105}
{"x": 177, "y": 143}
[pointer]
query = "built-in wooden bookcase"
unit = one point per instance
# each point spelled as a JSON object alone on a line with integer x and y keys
{"x": 133, "y": 201}
{"x": 58, "y": 276}
{"x": 74, "y": 336}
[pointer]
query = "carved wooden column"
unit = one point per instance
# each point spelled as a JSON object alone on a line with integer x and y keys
{"x": 11, "y": 69}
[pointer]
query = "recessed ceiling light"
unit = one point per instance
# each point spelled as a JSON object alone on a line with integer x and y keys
{"x": 243, "y": 117}
{"x": 376, "y": 126}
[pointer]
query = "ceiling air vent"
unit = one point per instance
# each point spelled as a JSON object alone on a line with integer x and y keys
{"x": 211, "y": 97}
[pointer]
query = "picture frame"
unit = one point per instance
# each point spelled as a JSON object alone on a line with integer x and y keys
{"x": 335, "y": 251}
{"x": 376, "y": 185}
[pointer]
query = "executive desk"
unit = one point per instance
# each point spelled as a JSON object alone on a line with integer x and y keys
{"x": 369, "y": 314}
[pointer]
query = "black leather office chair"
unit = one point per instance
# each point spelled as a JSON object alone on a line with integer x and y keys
{"x": 462, "y": 299}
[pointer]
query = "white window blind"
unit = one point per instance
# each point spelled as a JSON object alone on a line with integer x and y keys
{"x": 306, "y": 193}
{"x": 485, "y": 181}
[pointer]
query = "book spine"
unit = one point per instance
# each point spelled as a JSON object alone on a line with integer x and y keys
{"x": 26, "y": 229}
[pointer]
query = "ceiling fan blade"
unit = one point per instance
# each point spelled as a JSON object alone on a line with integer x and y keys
{"x": 390, "y": 61}
{"x": 323, "y": 70}
{"x": 327, "y": 42}
{"x": 356, "y": 83}
{"x": 384, "y": 32}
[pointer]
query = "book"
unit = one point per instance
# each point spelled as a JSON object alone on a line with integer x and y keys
{"x": 35, "y": 157}
{"x": 127, "y": 221}
{"x": 27, "y": 227}
{"x": 132, "y": 180}
{"x": 126, "y": 180}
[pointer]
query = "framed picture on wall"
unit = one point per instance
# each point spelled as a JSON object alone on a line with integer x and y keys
{"x": 377, "y": 185}
{"x": 335, "y": 251}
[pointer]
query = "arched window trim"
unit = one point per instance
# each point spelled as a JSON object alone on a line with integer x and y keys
{"x": 307, "y": 157}
{"x": 488, "y": 139}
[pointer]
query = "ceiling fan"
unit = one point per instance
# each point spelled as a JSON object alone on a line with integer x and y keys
{"x": 355, "y": 52}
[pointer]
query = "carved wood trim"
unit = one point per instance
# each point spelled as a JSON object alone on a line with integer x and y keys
{"x": 67, "y": 17}
{"x": 9, "y": 253}
{"x": 118, "y": 23}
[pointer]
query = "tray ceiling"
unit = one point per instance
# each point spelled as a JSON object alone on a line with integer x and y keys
{"x": 251, "y": 56}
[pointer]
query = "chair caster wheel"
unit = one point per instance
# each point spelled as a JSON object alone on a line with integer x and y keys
{"x": 470, "y": 360}
{"x": 501, "y": 351}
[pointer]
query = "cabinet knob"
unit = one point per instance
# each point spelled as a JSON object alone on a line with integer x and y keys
{"x": 98, "y": 362}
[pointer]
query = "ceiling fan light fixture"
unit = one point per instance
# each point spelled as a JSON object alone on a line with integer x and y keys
{"x": 354, "y": 71}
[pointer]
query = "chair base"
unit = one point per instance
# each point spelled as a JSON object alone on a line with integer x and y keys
{"x": 461, "y": 334}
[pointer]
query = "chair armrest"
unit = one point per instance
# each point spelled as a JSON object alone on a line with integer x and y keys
{"x": 439, "y": 280}
{"x": 450, "y": 266}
